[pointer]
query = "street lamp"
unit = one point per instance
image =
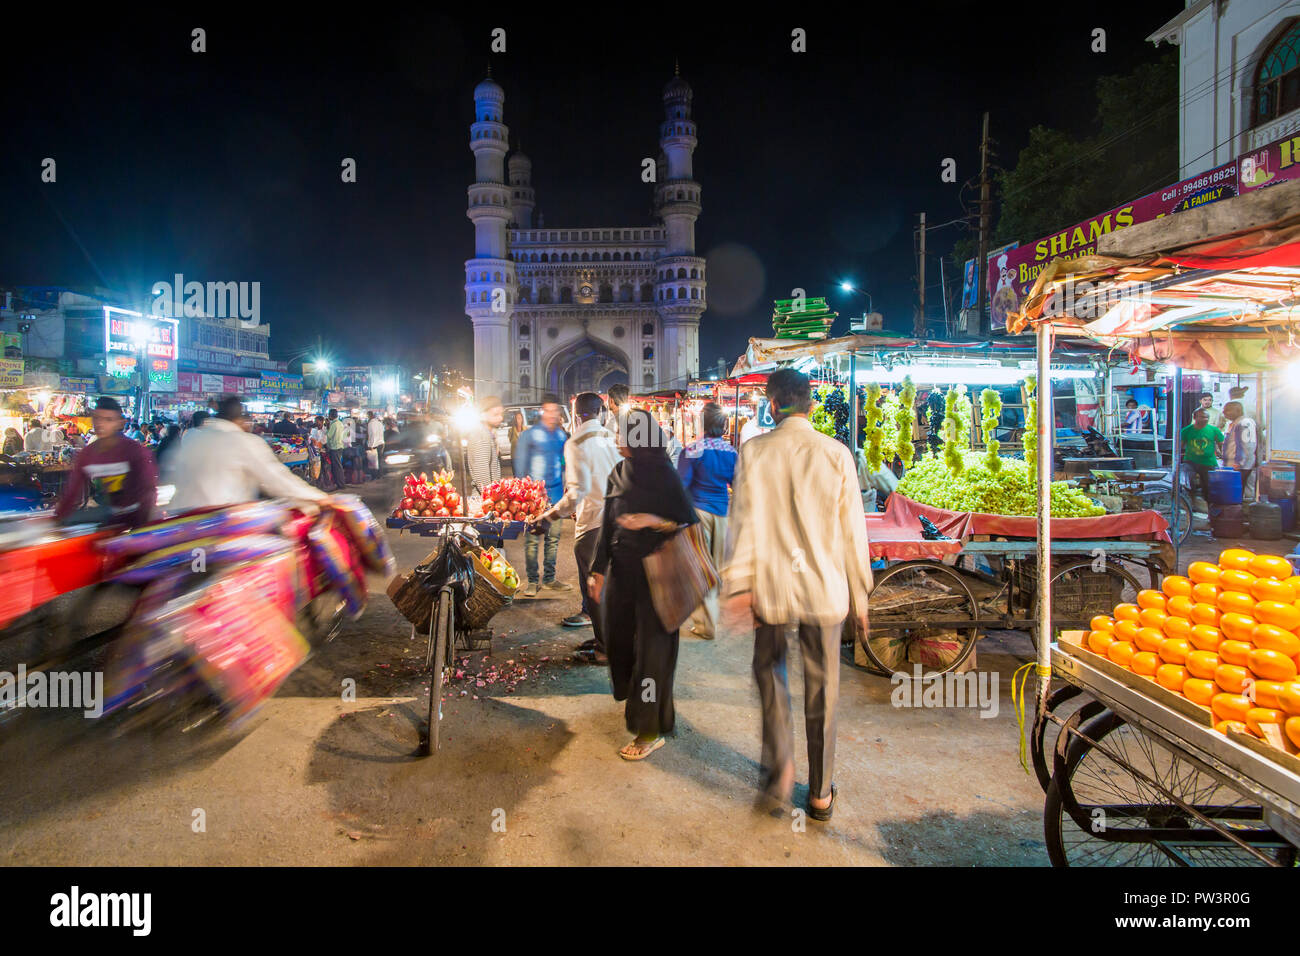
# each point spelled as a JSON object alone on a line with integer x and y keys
{"x": 850, "y": 287}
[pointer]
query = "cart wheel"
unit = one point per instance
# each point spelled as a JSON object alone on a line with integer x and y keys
{"x": 1042, "y": 742}
{"x": 1100, "y": 813}
{"x": 918, "y": 601}
{"x": 1080, "y": 592}
{"x": 442, "y": 630}
{"x": 1186, "y": 514}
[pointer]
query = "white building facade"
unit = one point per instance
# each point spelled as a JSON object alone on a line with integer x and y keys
{"x": 1239, "y": 77}
{"x": 568, "y": 310}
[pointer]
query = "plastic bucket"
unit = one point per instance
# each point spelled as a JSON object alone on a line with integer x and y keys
{"x": 1288, "y": 511}
{"x": 1225, "y": 486}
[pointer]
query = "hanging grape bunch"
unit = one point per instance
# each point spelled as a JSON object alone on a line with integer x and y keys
{"x": 956, "y": 428}
{"x": 1031, "y": 428}
{"x": 860, "y": 439}
{"x": 875, "y": 436}
{"x": 837, "y": 406}
{"x": 936, "y": 405}
{"x": 903, "y": 417}
{"x": 990, "y": 414}
{"x": 889, "y": 417}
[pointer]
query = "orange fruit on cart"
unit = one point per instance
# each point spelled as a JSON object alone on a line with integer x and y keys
{"x": 1203, "y": 572}
{"x": 1180, "y": 606}
{"x": 1206, "y": 638}
{"x": 1236, "y": 581}
{"x": 1175, "y": 585}
{"x": 1150, "y": 598}
{"x": 1175, "y": 650}
{"x": 1232, "y": 678}
{"x": 1270, "y": 566}
{"x": 1101, "y": 622}
{"x": 1268, "y": 693}
{"x": 1126, "y": 630}
{"x": 1121, "y": 652}
{"x": 1233, "y": 652}
{"x": 1224, "y": 726}
{"x": 1127, "y": 612}
{"x": 1236, "y": 559}
{"x": 1262, "y": 715}
{"x": 1271, "y": 665}
{"x": 1236, "y": 602}
{"x": 1149, "y": 639}
{"x": 1276, "y": 639}
{"x": 1199, "y": 690}
{"x": 1206, "y": 594}
{"x": 1202, "y": 664}
{"x": 1269, "y": 589}
{"x": 1230, "y": 706}
{"x": 1285, "y": 616}
{"x": 1098, "y": 641}
{"x": 1144, "y": 663}
{"x": 1292, "y": 728}
{"x": 1206, "y": 614}
{"x": 1153, "y": 617}
{"x": 1237, "y": 627}
{"x": 1294, "y": 581}
{"x": 1171, "y": 676}
{"x": 1178, "y": 627}
{"x": 1288, "y": 698}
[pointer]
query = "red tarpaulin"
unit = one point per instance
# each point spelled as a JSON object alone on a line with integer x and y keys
{"x": 896, "y": 534}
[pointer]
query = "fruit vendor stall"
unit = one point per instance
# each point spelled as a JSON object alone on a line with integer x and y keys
{"x": 1175, "y": 715}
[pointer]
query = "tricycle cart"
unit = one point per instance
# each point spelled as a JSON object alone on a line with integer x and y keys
{"x": 1135, "y": 780}
{"x": 984, "y": 577}
{"x": 432, "y": 606}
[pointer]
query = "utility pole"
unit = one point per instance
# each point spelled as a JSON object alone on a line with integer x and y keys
{"x": 981, "y": 261}
{"x": 943, "y": 286}
{"x": 918, "y": 327}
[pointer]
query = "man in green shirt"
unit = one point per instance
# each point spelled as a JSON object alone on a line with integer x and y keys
{"x": 1200, "y": 441}
{"x": 335, "y": 439}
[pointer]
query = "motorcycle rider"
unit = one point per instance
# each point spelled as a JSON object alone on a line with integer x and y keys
{"x": 221, "y": 463}
{"x": 120, "y": 472}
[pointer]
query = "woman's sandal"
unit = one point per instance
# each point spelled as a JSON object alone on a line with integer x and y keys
{"x": 822, "y": 813}
{"x": 639, "y": 751}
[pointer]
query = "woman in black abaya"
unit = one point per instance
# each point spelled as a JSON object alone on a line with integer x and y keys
{"x": 645, "y": 503}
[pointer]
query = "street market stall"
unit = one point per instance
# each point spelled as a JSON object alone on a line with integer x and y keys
{"x": 1192, "y": 761}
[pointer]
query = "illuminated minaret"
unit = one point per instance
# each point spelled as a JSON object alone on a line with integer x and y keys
{"x": 490, "y": 287}
{"x": 680, "y": 272}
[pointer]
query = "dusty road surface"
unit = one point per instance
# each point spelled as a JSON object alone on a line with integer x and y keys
{"x": 528, "y": 772}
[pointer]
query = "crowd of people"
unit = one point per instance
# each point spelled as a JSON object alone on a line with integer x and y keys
{"x": 1228, "y": 436}
{"x": 782, "y": 519}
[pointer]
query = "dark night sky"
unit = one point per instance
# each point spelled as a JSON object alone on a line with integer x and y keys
{"x": 225, "y": 165}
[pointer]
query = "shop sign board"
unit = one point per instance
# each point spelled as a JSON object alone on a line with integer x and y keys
{"x": 1011, "y": 273}
{"x": 11, "y": 373}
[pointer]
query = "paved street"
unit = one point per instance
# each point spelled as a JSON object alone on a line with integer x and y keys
{"x": 314, "y": 780}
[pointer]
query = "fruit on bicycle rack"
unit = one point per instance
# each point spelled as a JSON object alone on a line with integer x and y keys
{"x": 514, "y": 499}
{"x": 430, "y": 496}
{"x": 1226, "y": 636}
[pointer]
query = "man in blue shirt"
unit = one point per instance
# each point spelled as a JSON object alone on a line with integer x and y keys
{"x": 539, "y": 453}
{"x": 707, "y": 468}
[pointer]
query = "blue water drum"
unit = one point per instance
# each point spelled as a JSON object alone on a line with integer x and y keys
{"x": 1288, "y": 511}
{"x": 1225, "y": 486}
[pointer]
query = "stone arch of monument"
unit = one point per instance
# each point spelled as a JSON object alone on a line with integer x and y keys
{"x": 585, "y": 365}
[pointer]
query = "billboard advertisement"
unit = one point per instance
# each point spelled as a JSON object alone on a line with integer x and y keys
{"x": 354, "y": 382}
{"x": 126, "y": 332}
{"x": 1011, "y": 273}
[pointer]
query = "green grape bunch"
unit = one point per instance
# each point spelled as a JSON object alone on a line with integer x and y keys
{"x": 1007, "y": 491}
{"x": 1031, "y": 427}
{"x": 903, "y": 422}
{"x": 990, "y": 415}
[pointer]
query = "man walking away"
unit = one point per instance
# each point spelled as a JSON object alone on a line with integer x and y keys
{"x": 708, "y": 467}
{"x": 283, "y": 426}
{"x": 336, "y": 436}
{"x": 375, "y": 443}
{"x": 540, "y": 454}
{"x": 797, "y": 555}
{"x": 589, "y": 457}
{"x": 618, "y": 405}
